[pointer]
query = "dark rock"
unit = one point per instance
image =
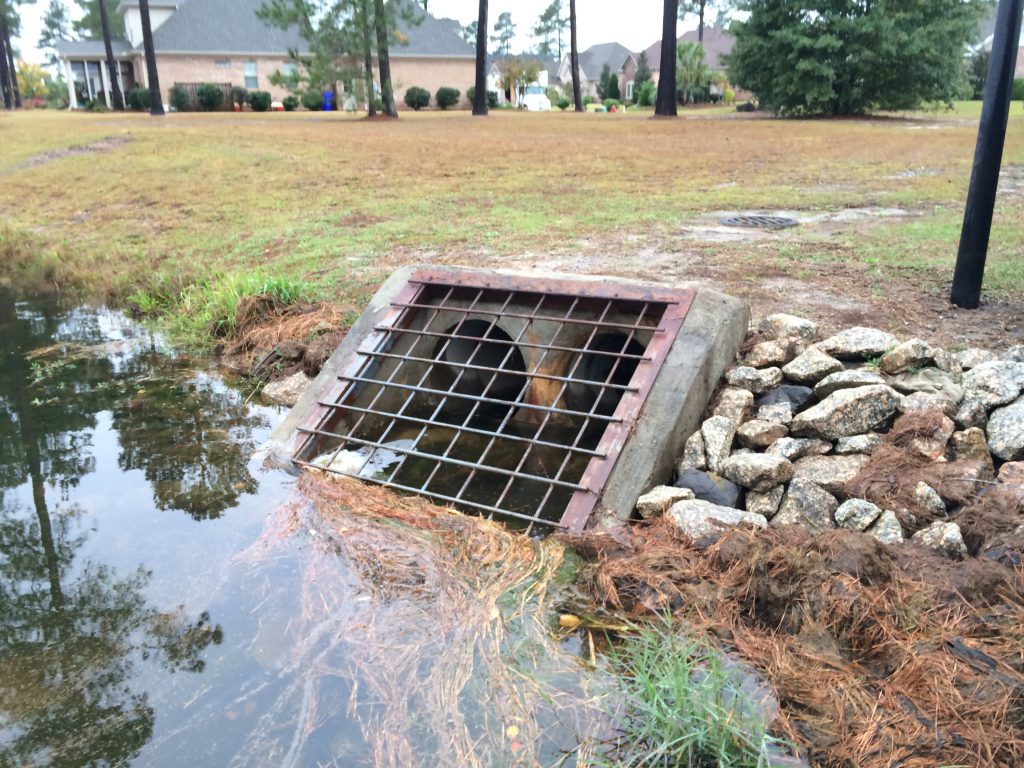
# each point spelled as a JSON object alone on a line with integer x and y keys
{"x": 707, "y": 486}
{"x": 795, "y": 394}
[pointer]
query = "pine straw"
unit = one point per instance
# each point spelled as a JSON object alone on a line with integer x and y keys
{"x": 879, "y": 656}
{"x": 436, "y": 625}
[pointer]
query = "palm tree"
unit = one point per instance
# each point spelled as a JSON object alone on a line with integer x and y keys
{"x": 115, "y": 86}
{"x": 574, "y": 58}
{"x": 691, "y": 71}
{"x": 156, "y": 101}
{"x": 480, "y": 89}
{"x": 665, "y": 106}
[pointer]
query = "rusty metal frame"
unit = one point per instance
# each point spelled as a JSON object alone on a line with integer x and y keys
{"x": 420, "y": 295}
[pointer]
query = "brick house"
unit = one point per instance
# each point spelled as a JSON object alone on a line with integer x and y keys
{"x": 592, "y": 62}
{"x": 223, "y": 41}
{"x": 718, "y": 42}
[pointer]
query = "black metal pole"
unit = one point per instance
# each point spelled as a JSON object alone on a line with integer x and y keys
{"x": 981, "y": 195}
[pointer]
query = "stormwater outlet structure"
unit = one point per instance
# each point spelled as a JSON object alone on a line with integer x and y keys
{"x": 546, "y": 401}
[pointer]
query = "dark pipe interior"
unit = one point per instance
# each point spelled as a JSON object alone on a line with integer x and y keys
{"x": 596, "y": 367}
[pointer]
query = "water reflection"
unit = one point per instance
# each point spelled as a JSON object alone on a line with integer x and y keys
{"x": 75, "y": 629}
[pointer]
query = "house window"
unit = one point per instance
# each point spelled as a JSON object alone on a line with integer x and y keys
{"x": 629, "y": 90}
{"x": 288, "y": 70}
{"x": 222, "y": 62}
{"x": 251, "y": 80}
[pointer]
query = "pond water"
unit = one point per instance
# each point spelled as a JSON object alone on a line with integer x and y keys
{"x": 161, "y": 606}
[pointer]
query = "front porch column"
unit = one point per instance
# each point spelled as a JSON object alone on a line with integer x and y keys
{"x": 69, "y": 78}
{"x": 105, "y": 86}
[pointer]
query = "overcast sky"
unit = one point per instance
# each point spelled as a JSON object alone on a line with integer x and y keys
{"x": 635, "y": 26}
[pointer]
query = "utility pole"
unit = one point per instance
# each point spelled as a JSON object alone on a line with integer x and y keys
{"x": 981, "y": 194}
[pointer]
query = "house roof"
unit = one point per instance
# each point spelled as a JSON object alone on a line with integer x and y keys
{"x": 548, "y": 63}
{"x": 593, "y": 59}
{"x": 717, "y": 43}
{"x": 223, "y": 26}
{"x": 87, "y": 49}
{"x": 429, "y": 37}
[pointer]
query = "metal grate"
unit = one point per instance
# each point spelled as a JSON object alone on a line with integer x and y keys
{"x": 509, "y": 400}
{"x": 760, "y": 222}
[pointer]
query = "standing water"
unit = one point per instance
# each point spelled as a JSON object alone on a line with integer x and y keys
{"x": 160, "y": 606}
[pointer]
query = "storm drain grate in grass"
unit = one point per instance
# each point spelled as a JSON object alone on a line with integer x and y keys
{"x": 506, "y": 396}
{"x": 758, "y": 221}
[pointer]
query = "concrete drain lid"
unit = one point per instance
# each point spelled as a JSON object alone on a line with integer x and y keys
{"x": 758, "y": 221}
{"x": 534, "y": 399}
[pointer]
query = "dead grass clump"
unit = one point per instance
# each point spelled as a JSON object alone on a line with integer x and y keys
{"x": 879, "y": 656}
{"x": 437, "y": 626}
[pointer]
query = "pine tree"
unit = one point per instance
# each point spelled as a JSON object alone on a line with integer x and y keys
{"x": 574, "y": 59}
{"x": 56, "y": 27}
{"x": 156, "y": 99}
{"x": 115, "y": 86}
{"x": 506, "y": 31}
{"x": 91, "y": 24}
{"x": 480, "y": 88}
{"x": 550, "y": 27}
{"x": 665, "y": 106}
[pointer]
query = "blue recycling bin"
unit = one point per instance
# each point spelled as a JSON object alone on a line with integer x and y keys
{"x": 328, "y": 101}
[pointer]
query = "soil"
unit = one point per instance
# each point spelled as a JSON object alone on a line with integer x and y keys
{"x": 103, "y": 145}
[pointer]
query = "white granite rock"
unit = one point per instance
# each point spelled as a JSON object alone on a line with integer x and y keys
{"x": 830, "y": 472}
{"x": 846, "y": 379}
{"x": 755, "y": 380}
{"x": 287, "y": 391}
{"x": 857, "y": 514}
{"x": 811, "y": 367}
{"x": 1006, "y": 431}
{"x": 782, "y": 326}
{"x": 735, "y": 405}
{"x": 847, "y": 412}
{"x": 944, "y": 537}
{"x": 656, "y": 501}
{"x": 807, "y": 504}
{"x": 858, "y": 343}
{"x": 695, "y": 518}
{"x": 718, "y": 433}
{"x": 765, "y": 503}
{"x": 887, "y": 528}
{"x": 865, "y": 443}
{"x": 757, "y": 471}
{"x": 794, "y": 448}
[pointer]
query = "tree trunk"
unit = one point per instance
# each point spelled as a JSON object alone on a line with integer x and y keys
{"x": 364, "y": 22}
{"x": 387, "y": 93}
{"x": 480, "y": 89}
{"x": 5, "y": 74}
{"x": 115, "y": 86}
{"x": 156, "y": 101}
{"x": 700, "y": 24}
{"x": 574, "y": 58}
{"x": 665, "y": 106}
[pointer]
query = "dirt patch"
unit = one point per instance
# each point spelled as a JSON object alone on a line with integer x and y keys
{"x": 108, "y": 144}
{"x": 879, "y": 656}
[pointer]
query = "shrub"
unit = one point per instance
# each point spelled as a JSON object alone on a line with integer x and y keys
{"x": 290, "y": 103}
{"x": 1018, "y": 89}
{"x": 471, "y": 93}
{"x": 609, "y": 103}
{"x": 378, "y": 104}
{"x": 138, "y": 99}
{"x": 313, "y": 100}
{"x": 260, "y": 101}
{"x": 95, "y": 105}
{"x": 746, "y": 106}
{"x": 564, "y": 104}
{"x": 239, "y": 96}
{"x": 446, "y": 97}
{"x": 646, "y": 94}
{"x": 210, "y": 97}
{"x": 588, "y": 100}
{"x": 729, "y": 96}
{"x": 417, "y": 98}
{"x": 179, "y": 99}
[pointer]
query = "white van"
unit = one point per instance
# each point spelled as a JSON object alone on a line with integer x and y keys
{"x": 535, "y": 100}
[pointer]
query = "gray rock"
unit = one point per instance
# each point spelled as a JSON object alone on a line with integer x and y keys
{"x": 760, "y": 434}
{"x": 857, "y": 377}
{"x": 707, "y": 486}
{"x": 693, "y": 453}
{"x": 926, "y": 401}
{"x": 735, "y": 404}
{"x": 929, "y": 499}
{"x": 287, "y": 391}
{"x": 794, "y": 448}
{"x": 779, "y": 413}
{"x": 887, "y": 528}
{"x": 773, "y": 352}
{"x": 913, "y": 353}
{"x": 656, "y": 501}
{"x": 933, "y": 380}
{"x": 696, "y": 518}
{"x": 1011, "y": 477}
{"x": 811, "y": 367}
{"x": 995, "y": 383}
{"x": 1006, "y": 431}
{"x": 973, "y": 357}
{"x": 857, "y": 514}
{"x": 796, "y": 395}
{"x": 782, "y": 326}
{"x": 847, "y": 412}
{"x": 718, "y": 433}
{"x": 865, "y": 443}
{"x": 931, "y": 446}
{"x": 830, "y": 472}
{"x": 765, "y": 503}
{"x": 1015, "y": 354}
{"x": 858, "y": 343}
{"x": 972, "y": 413}
{"x": 756, "y": 380}
{"x": 944, "y": 537}
{"x": 757, "y": 471}
{"x": 807, "y": 504}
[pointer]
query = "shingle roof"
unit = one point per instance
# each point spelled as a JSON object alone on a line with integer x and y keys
{"x": 92, "y": 48}
{"x": 717, "y": 43}
{"x": 593, "y": 59}
{"x": 429, "y": 37}
{"x": 223, "y": 26}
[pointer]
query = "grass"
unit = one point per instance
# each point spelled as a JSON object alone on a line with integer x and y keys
{"x": 337, "y": 203}
{"x": 686, "y": 706}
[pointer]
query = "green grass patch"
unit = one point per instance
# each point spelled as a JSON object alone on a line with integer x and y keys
{"x": 685, "y": 706}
